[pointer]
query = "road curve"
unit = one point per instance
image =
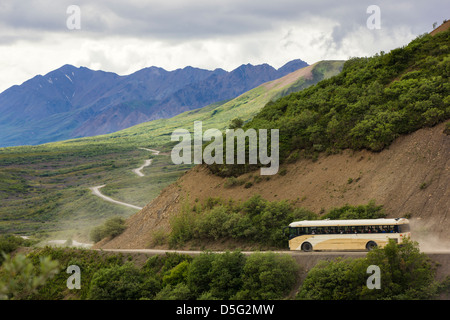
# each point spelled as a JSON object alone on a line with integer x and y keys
{"x": 96, "y": 191}
{"x": 138, "y": 171}
{"x": 148, "y": 162}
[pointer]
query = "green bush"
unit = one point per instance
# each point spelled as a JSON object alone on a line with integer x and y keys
{"x": 233, "y": 182}
{"x": 406, "y": 273}
{"x": 226, "y": 270}
{"x": 9, "y": 243}
{"x": 124, "y": 282}
{"x": 89, "y": 261}
{"x": 179, "y": 291}
{"x": 369, "y": 211}
{"x": 111, "y": 228}
{"x": 447, "y": 128}
{"x": 236, "y": 123}
{"x": 199, "y": 276}
{"x": 268, "y": 276}
{"x": 177, "y": 274}
{"x": 19, "y": 278}
{"x": 333, "y": 280}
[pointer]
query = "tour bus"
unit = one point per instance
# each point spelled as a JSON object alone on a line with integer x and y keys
{"x": 362, "y": 234}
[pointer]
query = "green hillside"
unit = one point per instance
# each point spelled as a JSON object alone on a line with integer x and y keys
{"x": 46, "y": 188}
{"x": 369, "y": 104}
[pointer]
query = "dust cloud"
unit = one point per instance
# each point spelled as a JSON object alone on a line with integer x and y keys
{"x": 429, "y": 242}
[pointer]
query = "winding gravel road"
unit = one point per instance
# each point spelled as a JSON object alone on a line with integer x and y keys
{"x": 148, "y": 162}
{"x": 138, "y": 171}
{"x": 96, "y": 191}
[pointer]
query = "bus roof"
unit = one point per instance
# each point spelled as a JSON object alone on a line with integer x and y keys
{"x": 354, "y": 222}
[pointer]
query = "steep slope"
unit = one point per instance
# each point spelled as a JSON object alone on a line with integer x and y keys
{"x": 444, "y": 26}
{"x": 77, "y": 102}
{"x": 410, "y": 178}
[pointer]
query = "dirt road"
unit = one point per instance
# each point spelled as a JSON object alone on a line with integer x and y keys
{"x": 96, "y": 191}
{"x": 138, "y": 171}
{"x": 148, "y": 162}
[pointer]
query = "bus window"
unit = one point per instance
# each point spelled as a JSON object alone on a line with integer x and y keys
{"x": 333, "y": 230}
{"x": 305, "y": 230}
{"x": 359, "y": 229}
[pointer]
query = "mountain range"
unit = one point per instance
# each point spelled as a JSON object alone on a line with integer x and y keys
{"x": 72, "y": 102}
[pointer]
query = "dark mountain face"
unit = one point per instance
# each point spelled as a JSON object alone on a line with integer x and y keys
{"x": 74, "y": 102}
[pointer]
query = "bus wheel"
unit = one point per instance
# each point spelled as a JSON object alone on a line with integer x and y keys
{"x": 371, "y": 245}
{"x": 307, "y": 247}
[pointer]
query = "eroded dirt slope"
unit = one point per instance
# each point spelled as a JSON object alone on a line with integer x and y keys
{"x": 411, "y": 178}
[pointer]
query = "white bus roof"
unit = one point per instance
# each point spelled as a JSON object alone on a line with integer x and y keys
{"x": 354, "y": 222}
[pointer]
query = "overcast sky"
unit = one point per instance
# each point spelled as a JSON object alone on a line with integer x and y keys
{"x": 125, "y": 36}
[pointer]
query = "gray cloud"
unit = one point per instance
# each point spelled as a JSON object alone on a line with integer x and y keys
{"x": 122, "y": 36}
{"x": 201, "y": 19}
{"x": 181, "y": 19}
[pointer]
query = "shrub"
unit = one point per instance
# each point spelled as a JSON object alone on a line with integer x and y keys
{"x": 199, "y": 276}
{"x": 447, "y": 128}
{"x": 267, "y": 276}
{"x": 9, "y": 243}
{"x": 182, "y": 226}
{"x": 369, "y": 211}
{"x": 160, "y": 237}
{"x": 236, "y": 123}
{"x": 111, "y": 228}
{"x": 20, "y": 278}
{"x": 226, "y": 270}
{"x": 175, "y": 292}
{"x": 177, "y": 274}
{"x": 233, "y": 182}
{"x": 124, "y": 282}
{"x": 405, "y": 274}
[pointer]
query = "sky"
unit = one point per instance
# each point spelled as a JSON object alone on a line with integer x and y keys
{"x": 38, "y": 36}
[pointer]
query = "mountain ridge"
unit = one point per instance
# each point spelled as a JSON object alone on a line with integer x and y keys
{"x": 71, "y": 102}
